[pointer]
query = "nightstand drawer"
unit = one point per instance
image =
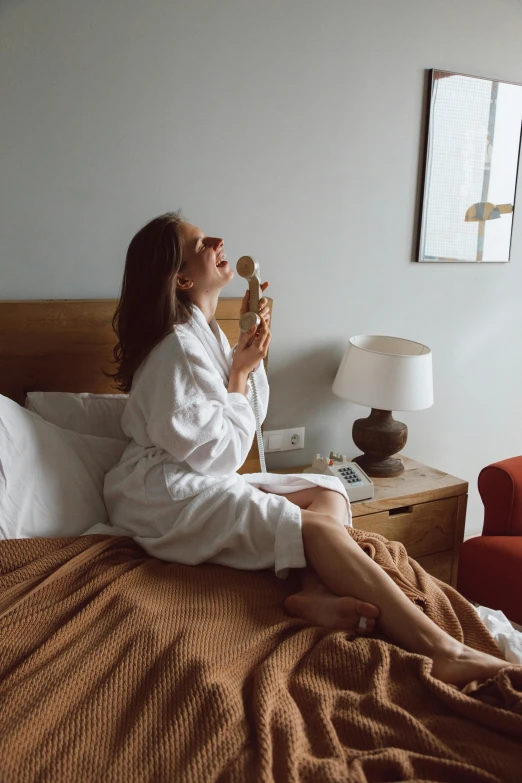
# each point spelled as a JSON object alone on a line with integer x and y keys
{"x": 424, "y": 528}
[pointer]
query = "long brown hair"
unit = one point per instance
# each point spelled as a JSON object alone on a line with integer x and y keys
{"x": 150, "y": 304}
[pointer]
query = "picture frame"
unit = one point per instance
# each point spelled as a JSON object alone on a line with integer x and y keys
{"x": 472, "y": 159}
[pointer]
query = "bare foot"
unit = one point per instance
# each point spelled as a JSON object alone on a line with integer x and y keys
{"x": 464, "y": 664}
{"x": 321, "y": 607}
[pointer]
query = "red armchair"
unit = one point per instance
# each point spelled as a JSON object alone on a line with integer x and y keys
{"x": 490, "y": 565}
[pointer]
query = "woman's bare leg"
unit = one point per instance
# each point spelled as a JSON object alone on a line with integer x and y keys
{"x": 346, "y": 570}
{"x": 316, "y": 603}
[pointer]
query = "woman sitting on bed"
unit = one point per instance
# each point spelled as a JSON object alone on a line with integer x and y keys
{"x": 176, "y": 490}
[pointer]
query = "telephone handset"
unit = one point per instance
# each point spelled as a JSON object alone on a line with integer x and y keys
{"x": 248, "y": 268}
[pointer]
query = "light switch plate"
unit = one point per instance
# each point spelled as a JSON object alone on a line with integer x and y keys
{"x": 284, "y": 440}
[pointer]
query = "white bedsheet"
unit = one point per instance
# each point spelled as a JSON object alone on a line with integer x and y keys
{"x": 508, "y": 638}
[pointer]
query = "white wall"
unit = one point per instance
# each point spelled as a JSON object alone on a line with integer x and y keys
{"x": 293, "y": 129}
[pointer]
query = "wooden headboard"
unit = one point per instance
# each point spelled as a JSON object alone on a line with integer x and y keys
{"x": 66, "y": 344}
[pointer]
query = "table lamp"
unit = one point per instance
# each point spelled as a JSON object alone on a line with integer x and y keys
{"x": 387, "y": 374}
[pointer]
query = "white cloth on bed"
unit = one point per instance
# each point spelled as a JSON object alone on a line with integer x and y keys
{"x": 175, "y": 489}
{"x": 508, "y": 638}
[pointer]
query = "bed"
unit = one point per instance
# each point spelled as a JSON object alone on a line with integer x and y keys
{"x": 115, "y": 666}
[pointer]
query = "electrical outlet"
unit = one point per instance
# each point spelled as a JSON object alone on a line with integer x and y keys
{"x": 284, "y": 440}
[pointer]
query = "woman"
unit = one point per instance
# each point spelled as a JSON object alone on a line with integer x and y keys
{"x": 176, "y": 490}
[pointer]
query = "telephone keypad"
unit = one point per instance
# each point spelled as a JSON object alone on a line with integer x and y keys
{"x": 350, "y": 476}
{"x": 356, "y": 483}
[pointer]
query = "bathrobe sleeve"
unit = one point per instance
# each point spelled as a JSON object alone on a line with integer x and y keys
{"x": 193, "y": 416}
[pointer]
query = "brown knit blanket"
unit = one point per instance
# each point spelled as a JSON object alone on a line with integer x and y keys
{"x": 131, "y": 669}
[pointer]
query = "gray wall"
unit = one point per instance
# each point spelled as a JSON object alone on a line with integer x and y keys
{"x": 293, "y": 129}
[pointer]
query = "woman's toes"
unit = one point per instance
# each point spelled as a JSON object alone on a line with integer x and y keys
{"x": 291, "y": 604}
{"x": 331, "y": 611}
{"x": 368, "y": 613}
{"x": 366, "y": 610}
{"x": 349, "y": 616}
{"x": 368, "y": 628}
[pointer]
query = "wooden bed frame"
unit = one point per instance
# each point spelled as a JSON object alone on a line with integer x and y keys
{"x": 66, "y": 344}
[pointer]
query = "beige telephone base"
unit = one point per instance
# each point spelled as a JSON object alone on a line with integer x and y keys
{"x": 357, "y": 484}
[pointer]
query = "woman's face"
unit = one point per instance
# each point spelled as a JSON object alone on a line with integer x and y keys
{"x": 205, "y": 268}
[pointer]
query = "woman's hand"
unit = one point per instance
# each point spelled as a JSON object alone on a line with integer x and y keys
{"x": 264, "y": 312}
{"x": 252, "y": 347}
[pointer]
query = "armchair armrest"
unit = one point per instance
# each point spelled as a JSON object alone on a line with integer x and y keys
{"x": 500, "y": 487}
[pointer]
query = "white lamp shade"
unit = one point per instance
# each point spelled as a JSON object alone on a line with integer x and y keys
{"x": 387, "y": 373}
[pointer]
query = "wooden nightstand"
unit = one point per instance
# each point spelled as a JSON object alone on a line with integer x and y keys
{"x": 422, "y": 508}
{"x": 425, "y": 510}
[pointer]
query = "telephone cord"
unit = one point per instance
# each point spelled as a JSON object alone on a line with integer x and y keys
{"x": 255, "y": 406}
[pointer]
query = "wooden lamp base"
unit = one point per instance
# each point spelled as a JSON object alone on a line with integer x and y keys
{"x": 379, "y": 436}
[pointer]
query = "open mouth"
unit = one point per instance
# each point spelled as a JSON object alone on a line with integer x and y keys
{"x": 222, "y": 260}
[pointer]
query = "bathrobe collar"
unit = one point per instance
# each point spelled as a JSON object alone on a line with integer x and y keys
{"x": 212, "y": 338}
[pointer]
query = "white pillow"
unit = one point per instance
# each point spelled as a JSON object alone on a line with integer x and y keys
{"x": 90, "y": 414}
{"x": 51, "y": 479}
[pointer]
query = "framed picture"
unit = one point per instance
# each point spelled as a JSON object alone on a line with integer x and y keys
{"x": 472, "y": 160}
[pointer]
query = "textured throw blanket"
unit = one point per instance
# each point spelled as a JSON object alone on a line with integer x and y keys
{"x": 125, "y": 668}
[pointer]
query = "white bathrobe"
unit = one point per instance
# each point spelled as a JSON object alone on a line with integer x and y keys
{"x": 176, "y": 490}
